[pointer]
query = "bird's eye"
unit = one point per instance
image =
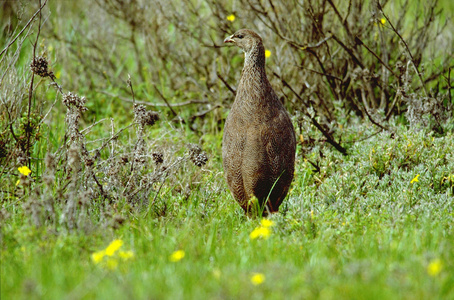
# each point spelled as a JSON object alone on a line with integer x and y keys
{"x": 240, "y": 36}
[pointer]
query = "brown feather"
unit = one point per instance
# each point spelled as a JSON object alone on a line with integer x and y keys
{"x": 258, "y": 146}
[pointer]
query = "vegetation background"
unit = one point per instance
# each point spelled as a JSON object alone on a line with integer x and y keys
{"x": 110, "y": 138}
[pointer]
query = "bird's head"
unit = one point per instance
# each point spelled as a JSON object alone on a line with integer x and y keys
{"x": 246, "y": 39}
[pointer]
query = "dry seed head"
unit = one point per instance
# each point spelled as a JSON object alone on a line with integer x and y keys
{"x": 39, "y": 66}
{"x": 89, "y": 161}
{"x": 70, "y": 99}
{"x": 144, "y": 117}
{"x": 158, "y": 158}
{"x": 197, "y": 155}
{"x": 124, "y": 159}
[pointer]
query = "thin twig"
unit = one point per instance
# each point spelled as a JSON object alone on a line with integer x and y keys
{"x": 132, "y": 90}
{"x": 23, "y": 29}
{"x": 365, "y": 138}
{"x": 189, "y": 102}
{"x": 328, "y": 136}
{"x": 204, "y": 113}
{"x": 360, "y": 42}
{"x": 30, "y": 91}
{"x": 98, "y": 151}
{"x": 319, "y": 73}
{"x": 226, "y": 84}
{"x": 92, "y": 125}
{"x": 406, "y": 47}
{"x": 165, "y": 100}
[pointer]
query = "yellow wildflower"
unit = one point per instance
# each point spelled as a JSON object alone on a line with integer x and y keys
{"x": 126, "y": 255}
{"x": 266, "y": 223}
{"x": 231, "y": 18}
{"x": 267, "y": 53}
{"x": 257, "y": 278}
{"x": 434, "y": 268}
{"x": 113, "y": 247}
{"x": 383, "y": 21}
{"x": 177, "y": 256}
{"x": 260, "y": 232}
{"x": 415, "y": 179}
{"x": 24, "y": 170}
{"x": 98, "y": 256}
{"x": 110, "y": 257}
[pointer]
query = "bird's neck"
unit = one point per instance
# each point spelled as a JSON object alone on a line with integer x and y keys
{"x": 254, "y": 87}
{"x": 255, "y": 57}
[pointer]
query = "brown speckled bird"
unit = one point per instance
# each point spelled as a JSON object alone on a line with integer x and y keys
{"x": 258, "y": 146}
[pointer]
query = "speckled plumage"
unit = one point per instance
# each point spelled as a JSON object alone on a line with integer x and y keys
{"x": 258, "y": 146}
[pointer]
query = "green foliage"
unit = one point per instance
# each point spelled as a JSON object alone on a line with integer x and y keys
{"x": 360, "y": 219}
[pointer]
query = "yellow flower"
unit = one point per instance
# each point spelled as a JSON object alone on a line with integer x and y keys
{"x": 113, "y": 247}
{"x": 415, "y": 179}
{"x": 176, "y": 256}
{"x": 383, "y": 21}
{"x": 126, "y": 255}
{"x": 98, "y": 256}
{"x": 434, "y": 268}
{"x": 266, "y": 223}
{"x": 260, "y": 232}
{"x": 231, "y": 18}
{"x": 267, "y": 53}
{"x": 257, "y": 278}
{"x": 110, "y": 257}
{"x": 24, "y": 170}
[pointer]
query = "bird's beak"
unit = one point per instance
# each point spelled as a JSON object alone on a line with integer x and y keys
{"x": 229, "y": 39}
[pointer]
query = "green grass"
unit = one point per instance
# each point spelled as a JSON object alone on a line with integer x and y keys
{"x": 357, "y": 230}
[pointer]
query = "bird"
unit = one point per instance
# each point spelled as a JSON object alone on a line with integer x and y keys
{"x": 258, "y": 143}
